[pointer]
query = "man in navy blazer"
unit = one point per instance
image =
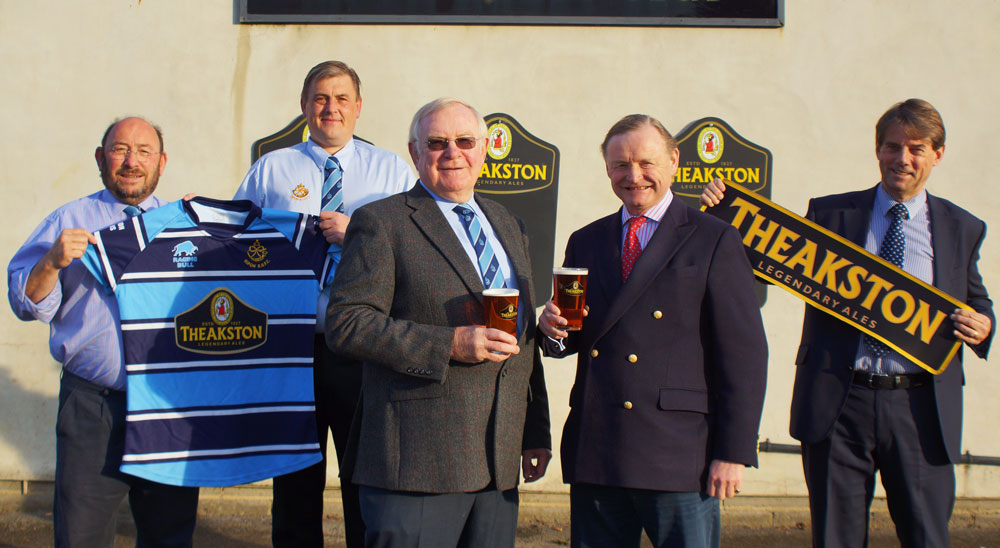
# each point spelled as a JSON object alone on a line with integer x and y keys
{"x": 671, "y": 363}
{"x": 858, "y": 410}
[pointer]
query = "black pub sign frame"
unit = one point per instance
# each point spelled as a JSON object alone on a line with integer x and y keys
{"x": 637, "y": 13}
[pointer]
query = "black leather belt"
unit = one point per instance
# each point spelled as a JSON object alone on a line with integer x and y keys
{"x": 891, "y": 382}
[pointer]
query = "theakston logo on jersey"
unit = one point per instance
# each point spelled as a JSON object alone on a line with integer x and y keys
{"x": 711, "y": 149}
{"x": 220, "y": 324}
{"x": 184, "y": 254}
{"x": 516, "y": 161}
{"x": 257, "y": 255}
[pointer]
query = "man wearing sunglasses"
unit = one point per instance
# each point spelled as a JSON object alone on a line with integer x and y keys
{"x": 447, "y": 413}
{"x": 330, "y": 174}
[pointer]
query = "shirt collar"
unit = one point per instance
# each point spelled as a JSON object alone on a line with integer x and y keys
{"x": 319, "y": 156}
{"x": 914, "y": 206}
{"x": 117, "y": 206}
{"x": 654, "y": 213}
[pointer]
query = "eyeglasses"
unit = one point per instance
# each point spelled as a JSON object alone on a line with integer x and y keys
{"x": 464, "y": 143}
{"x": 119, "y": 152}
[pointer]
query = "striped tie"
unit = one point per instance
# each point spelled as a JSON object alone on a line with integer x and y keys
{"x": 333, "y": 186}
{"x": 489, "y": 265}
{"x": 892, "y": 248}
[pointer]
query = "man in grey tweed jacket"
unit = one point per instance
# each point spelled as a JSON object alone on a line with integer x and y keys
{"x": 449, "y": 409}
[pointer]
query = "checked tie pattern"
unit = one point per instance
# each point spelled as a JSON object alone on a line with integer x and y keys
{"x": 489, "y": 265}
{"x": 333, "y": 186}
{"x": 631, "y": 249}
{"x": 892, "y": 248}
{"x": 132, "y": 211}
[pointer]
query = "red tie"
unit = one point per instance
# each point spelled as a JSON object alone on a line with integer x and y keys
{"x": 631, "y": 250}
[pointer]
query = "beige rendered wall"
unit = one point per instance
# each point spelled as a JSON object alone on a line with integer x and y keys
{"x": 810, "y": 92}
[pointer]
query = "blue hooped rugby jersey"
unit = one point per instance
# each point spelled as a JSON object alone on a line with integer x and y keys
{"x": 218, "y": 310}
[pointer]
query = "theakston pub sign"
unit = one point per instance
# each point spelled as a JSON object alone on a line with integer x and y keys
{"x": 710, "y": 148}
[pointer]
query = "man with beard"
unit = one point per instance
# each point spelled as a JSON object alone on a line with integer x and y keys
{"x": 46, "y": 283}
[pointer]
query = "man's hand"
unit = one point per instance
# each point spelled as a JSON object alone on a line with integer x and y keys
{"x": 713, "y": 193}
{"x": 333, "y": 225}
{"x": 534, "y": 462}
{"x": 971, "y": 326}
{"x": 724, "y": 479}
{"x": 70, "y": 245}
{"x": 549, "y": 322}
{"x": 478, "y": 343}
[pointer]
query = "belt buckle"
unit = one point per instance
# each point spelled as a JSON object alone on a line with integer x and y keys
{"x": 868, "y": 379}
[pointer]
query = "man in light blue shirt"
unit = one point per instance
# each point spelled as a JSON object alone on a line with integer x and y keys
{"x": 331, "y": 174}
{"x": 46, "y": 283}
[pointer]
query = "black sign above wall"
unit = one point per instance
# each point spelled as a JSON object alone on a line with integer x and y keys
{"x": 676, "y": 13}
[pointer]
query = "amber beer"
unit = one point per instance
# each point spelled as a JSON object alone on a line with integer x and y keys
{"x": 569, "y": 285}
{"x": 500, "y": 309}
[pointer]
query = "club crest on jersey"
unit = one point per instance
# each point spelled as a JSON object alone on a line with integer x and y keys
{"x": 257, "y": 255}
{"x": 300, "y": 192}
{"x": 184, "y": 254}
{"x": 220, "y": 324}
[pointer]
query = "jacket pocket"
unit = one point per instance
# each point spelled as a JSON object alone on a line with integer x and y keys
{"x": 679, "y": 399}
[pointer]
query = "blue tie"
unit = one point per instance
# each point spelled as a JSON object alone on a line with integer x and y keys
{"x": 333, "y": 186}
{"x": 893, "y": 245}
{"x": 132, "y": 211}
{"x": 489, "y": 265}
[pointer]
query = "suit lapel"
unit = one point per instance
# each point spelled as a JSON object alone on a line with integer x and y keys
{"x": 429, "y": 219}
{"x": 944, "y": 234}
{"x": 856, "y": 219}
{"x": 670, "y": 236}
{"x": 608, "y": 260}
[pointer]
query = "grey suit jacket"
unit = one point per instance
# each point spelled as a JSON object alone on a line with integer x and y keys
{"x": 426, "y": 423}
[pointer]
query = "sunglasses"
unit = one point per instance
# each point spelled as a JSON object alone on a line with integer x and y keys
{"x": 438, "y": 144}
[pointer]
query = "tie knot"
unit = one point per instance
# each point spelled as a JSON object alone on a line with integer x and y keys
{"x": 635, "y": 223}
{"x": 132, "y": 211}
{"x": 899, "y": 211}
{"x": 332, "y": 163}
{"x": 465, "y": 211}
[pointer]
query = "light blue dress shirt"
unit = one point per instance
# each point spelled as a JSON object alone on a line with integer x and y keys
{"x": 918, "y": 261}
{"x": 292, "y": 179}
{"x": 84, "y": 329}
{"x": 455, "y": 222}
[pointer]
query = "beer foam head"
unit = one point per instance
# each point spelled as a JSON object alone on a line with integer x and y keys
{"x": 501, "y": 292}
{"x": 570, "y": 271}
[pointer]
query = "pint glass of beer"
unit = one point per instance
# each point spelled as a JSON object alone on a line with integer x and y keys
{"x": 569, "y": 287}
{"x": 500, "y": 309}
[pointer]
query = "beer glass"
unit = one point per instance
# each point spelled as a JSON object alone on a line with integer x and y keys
{"x": 569, "y": 289}
{"x": 500, "y": 309}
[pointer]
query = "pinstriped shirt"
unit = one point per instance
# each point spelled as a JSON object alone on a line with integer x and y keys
{"x": 653, "y": 216}
{"x": 918, "y": 261}
{"x": 84, "y": 332}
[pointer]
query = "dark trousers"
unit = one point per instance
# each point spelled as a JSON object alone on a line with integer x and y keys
{"x": 399, "y": 519}
{"x": 895, "y": 432}
{"x": 615, "y": 517}
{"x": 297, "y": 510}
{"x": 90, "y": 438}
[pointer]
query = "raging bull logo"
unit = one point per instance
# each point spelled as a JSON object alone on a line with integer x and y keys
{"x": 220, "y": 324}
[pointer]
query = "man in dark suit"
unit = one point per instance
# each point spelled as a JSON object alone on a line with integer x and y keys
{"x": 672, "y": 359}
{"x": 449, "y": 408}
{"x": 858, "y": 407}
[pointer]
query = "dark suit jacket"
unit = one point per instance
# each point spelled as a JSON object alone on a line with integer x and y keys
{"x": 826, "y": 354}
{"x": 426, "y": 423}
{"x": 696, "y": 386}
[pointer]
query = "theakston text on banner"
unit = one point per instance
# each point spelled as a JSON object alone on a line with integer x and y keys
{"x": 842, "y": 279}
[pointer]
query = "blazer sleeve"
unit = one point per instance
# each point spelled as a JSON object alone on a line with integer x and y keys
{"x": 736, "y": 353}
{"x": 978, "y": 298}
{"x": 358, "y": 321}
{"x": 537, "y": 424}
